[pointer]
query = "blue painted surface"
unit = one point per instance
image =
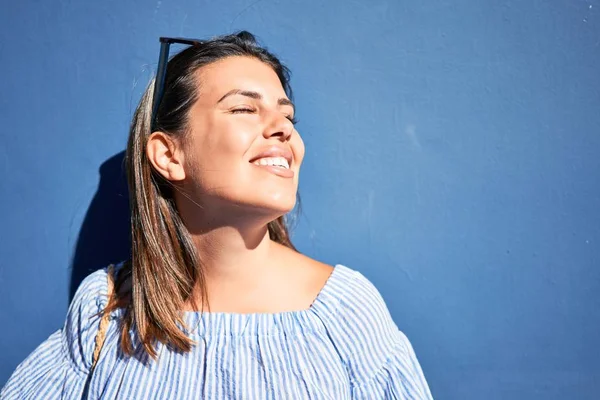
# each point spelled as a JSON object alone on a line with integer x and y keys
{"x": 452, "y": 157}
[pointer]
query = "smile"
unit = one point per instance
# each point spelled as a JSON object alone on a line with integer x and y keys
{"x": 274, "y": 161}
{"x": 276, "y": 165}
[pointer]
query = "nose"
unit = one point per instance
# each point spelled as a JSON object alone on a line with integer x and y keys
{"x": 279, "y": 126}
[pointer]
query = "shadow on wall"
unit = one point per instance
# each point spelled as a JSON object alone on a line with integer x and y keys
{"x": 104, "y": 236}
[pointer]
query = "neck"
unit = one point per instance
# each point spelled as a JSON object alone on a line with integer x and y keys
{"x": 231, "y": 253}
{"x": 233, "y": 259}
{"x": 232, "y": 244}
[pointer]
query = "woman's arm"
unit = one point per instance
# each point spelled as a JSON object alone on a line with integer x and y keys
{"x": 58, "y": 368}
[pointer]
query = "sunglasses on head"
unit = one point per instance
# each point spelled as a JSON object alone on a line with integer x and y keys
{"x": 161, "y": 70}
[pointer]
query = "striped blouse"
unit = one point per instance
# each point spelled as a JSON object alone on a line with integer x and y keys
{"x": 345, "y": 346}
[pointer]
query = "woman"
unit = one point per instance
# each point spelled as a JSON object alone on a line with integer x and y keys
{"x": 215, "y": 302}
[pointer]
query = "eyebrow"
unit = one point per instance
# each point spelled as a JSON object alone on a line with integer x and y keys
{"x": 257, "y": 96}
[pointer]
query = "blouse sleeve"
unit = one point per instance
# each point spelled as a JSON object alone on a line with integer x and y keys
{"x": 380, "y": 359}
{"x": 58, "y": 368}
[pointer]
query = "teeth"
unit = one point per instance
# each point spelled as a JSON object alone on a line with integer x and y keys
{"x": 276, "y": 161}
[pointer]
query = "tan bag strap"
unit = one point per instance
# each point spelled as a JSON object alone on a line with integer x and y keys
{"x": 101, "y": 335}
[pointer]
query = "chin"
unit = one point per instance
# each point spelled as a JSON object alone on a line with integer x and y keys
{"x": 276, "y": 205}
{"x": 280, "y": 207}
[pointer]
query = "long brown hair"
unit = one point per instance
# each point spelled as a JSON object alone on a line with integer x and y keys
{"x": 164, "y": 268}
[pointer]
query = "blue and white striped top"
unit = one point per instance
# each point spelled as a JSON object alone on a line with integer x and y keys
{"x": 345, "y": 346}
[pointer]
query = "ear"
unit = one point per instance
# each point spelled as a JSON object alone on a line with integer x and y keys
{"x": 165, "y": 156}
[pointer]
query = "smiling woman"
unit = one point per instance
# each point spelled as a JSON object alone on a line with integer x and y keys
{"x": 215, "y": 301}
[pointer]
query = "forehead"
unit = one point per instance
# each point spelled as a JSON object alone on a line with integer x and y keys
{"x": 237, "y": 72}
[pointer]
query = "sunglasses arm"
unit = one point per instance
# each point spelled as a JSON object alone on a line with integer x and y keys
{"x": 160, "y": 76}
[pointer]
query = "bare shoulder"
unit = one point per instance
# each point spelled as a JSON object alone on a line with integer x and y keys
{"x": 303, "y": 264}
{"x": 317, "y": 271}
{"x": 306, "y": 273}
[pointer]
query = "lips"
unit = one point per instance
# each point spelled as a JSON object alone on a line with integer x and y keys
{"x": 275, "y": 151}
{"x": 275, "y": 170}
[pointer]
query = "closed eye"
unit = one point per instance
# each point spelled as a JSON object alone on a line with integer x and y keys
{"x": 242, "y": 110}
{"x": 293, "y": 120}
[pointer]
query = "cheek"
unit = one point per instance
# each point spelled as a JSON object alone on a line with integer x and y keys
{"x": 223, "y": 136}
{"x": 298, "y": 148}
{"x": 218, "y": 149}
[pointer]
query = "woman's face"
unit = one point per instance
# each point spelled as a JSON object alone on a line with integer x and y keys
{"x": 241, "y": 138}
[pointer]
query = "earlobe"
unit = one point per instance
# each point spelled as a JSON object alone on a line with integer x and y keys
{"x": 165, "y": 156}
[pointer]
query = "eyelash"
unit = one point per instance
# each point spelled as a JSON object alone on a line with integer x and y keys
{"x": 294, "y": 121}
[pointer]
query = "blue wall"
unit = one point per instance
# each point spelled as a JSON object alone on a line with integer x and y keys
{"x": 453, "y": 156}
